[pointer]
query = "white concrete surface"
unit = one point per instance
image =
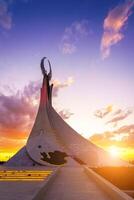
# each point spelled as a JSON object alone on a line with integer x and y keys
{"x": 72, "y": 183}
{"x": 79, "y": 146}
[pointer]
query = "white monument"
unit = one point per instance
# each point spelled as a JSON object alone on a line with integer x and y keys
{"x": 53, "y": 142}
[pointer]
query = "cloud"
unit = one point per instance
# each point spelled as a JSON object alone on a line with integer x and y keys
{"x": 120, "y": 115}
{"x": 127, "y": 132}
{"x": 72, "y": 35}
{"x": 65, "y": 114}
{"x": 59, "y": 85}
{"x": 103, "y": 139}
{"x": 96, "y": 137}
{"x": 117, "y": 112}
{"x": 101, "y": 113}
{"x": 114, "y": 114}
{"x": 17, "y": 112}
{"x": 113, "y": 25}
{"x": 129, "y": 140}
{"x": 18, "y": 108}
{"x": 6, "y": 21}
{"x": 126, "y": 129}
{"x": 68, "y": 48}
{"x": 5, "y": 16}
{"x": 123, "y": 136}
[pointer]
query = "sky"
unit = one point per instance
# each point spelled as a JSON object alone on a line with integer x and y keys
{"x": 90, "y": 45}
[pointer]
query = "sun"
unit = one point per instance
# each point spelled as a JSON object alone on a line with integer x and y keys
{"x": 114, "y": 151}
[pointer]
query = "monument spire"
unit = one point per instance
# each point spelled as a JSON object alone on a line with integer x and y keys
{"x": 46, "y": 90}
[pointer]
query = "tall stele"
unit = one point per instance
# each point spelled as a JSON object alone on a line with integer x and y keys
{"x": 53, "y": 142}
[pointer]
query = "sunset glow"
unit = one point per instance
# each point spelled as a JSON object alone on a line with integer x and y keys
{"x": 90, "y": 45}
{"x": 114, "y": 151}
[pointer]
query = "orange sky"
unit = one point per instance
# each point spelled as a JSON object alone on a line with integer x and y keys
{"x": 110, "y": 126}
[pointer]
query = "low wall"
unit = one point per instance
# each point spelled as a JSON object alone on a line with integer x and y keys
{"x": 114, "y": 192}
{"x": 129, "y": 192}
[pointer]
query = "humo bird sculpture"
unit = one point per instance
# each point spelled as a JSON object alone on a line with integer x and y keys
{"x": 44, "y": 71}
{"x": 46, "y": 78}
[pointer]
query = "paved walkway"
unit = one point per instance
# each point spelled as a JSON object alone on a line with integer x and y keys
{"x": 72, "y": 183}
{"x": 18, "y": 185}
{"x": 18, "y": 190}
